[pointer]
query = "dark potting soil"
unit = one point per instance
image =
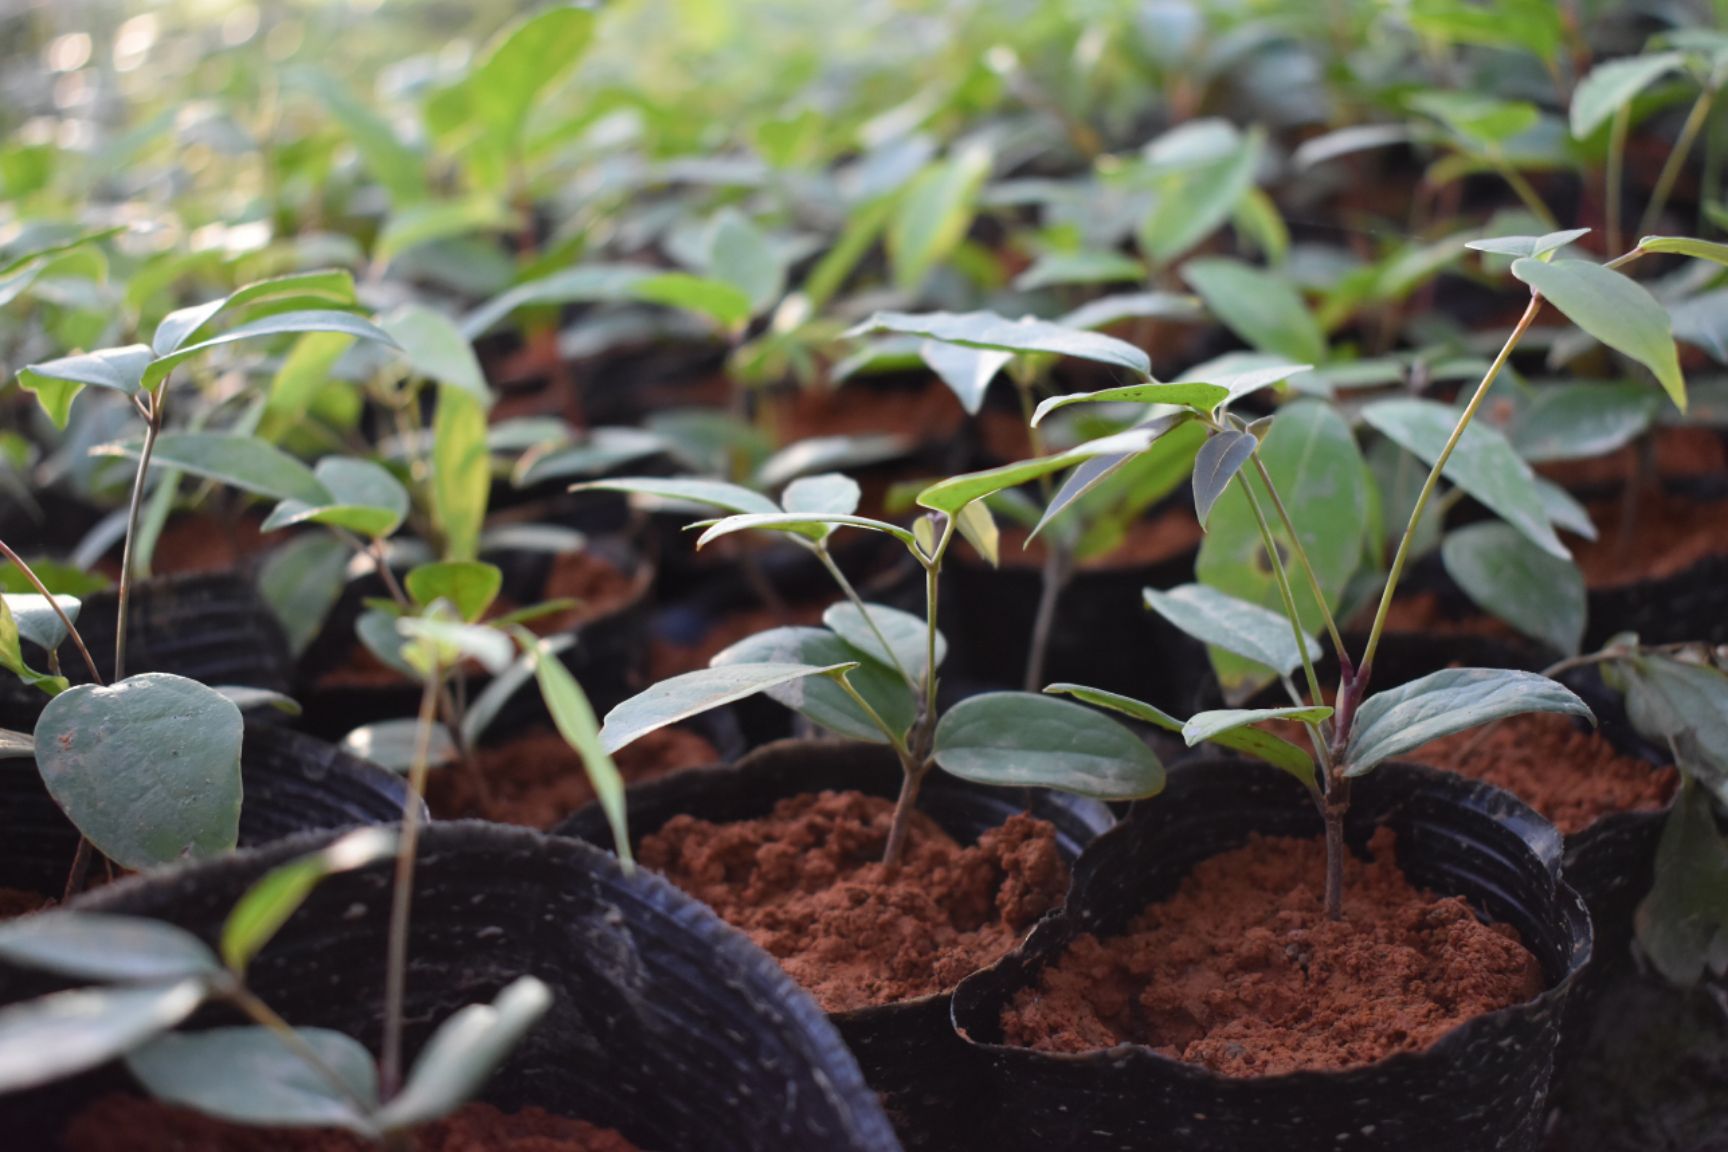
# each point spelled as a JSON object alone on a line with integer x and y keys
{"x": 1572, "y": 776}
{"x": 1148, "y": 541}
{"x": 537, "y": 779}
{"x": 136, "y": 1124}
{"x": 1241, "y": 971}
{"x": 597, "y": 585}
{"x": 1659, "y": 534}
{"x": 15, "y": 902}
{"x": 806, "y": 884}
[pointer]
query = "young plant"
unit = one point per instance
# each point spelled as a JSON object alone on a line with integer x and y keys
{"x": 872, "y": 672}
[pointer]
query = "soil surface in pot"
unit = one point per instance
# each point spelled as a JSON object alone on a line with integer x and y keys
{"x": 1679, "y": 452}
{"x": 1149, "y": 540}
{"x": 136, "y": 1124}
{"x": 15, "y": 902}
{"x": 1659, "y": 534}
{"x": 1572, "y": 776}
{"x": 1425, "y": 612}
{"x": 597, "y": 585}
{"x": 1241, "y": 971}
{"x": 806, "y": 883}
{"x": 928, "y": 413}
{"x": 200, "y": 542}
{"x": 537, "y": 779}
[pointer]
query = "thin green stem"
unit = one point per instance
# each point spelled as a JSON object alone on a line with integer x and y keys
{"x": 1615, "y": 177}
{"x": 1525, "y": 192}
{"x": 65, "y": 620}
{"x": 1676, "y": 160}
{"x": 895, "y": 739}
{"x": 1283, "y": 581}
{"x": 1404, "y": 543}
{"x": 261, "y": 1013}
{"x": 402, "y": 895}
{"x": 1301, "y": 553}
{"x": 152, "y": 428}
{"x": 851, "y": 593}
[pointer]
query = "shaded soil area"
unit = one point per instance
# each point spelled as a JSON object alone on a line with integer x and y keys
{"x": 134, "y": 1124}
{"x": 667, "y": 658}
{"x": 927, "y": 413}
{"x": 537, "y": 779}
{"x": 1651, "y": 1075}
{"x": 1571, "y": 775}
{"x": 1656, "y": 535}
{"x": 1241, "y": 971}
{"x": 200, "y": 542}
{"x": 1425, "y": 612}
{"x": 1152, "y": 539}
{"x": 15, "y": 902}
{"x": 1677, "y": 452}
{"x": 807, "y": 885}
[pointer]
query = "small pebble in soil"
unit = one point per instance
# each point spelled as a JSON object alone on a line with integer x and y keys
{"x": 1241, "y": 971}
{"x": 806, "y": 883}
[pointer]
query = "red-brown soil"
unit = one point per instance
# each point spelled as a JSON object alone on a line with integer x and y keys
{"x": 929, "y": 413}
{"x": 1423, "y": 612}
{"x": 1659, "y": 534}
{"x": 537, "y": 779}
{"x": 806, "y": 883}
{"x": 134, "y": 1124}
{"x": 200, "y": 542}
{"x": 1572, "y": 776}
{"x": 15, "y": 902}
{"x": 1150, "y": 540}
{"x": 1241, "y": 971}
{"x": 666, "y": 660}
{"x": 1679, "y": 452}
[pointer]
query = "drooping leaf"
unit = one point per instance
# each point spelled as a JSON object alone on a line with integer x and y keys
{"x": 37, "y": 620}
{"x": 1093, "y": 472}
{"x": 1019, "y": 739}
{"x": 107, "y": 948}
{"x": 469, "y": 585}
{"x": 813, "y": 526}
{"x": 244, "y": 462}
{"x": 463, "y": 1053}
{"x": 437, "y": 349}
{"x": 717, "y": 494}
{"x": 65, "y": 1033}
{"x": 1686, "y": 246}
{"x": 693, "y": 693}
{"x": 436, "y": 641}
{"x": 574, "y": 718}
{"x": 1683, "y": 922}
{"x": 953, "y": 494}
{"x": 264, "y": 907}
{"x": 1506, "y": 575}
{"x": 1528, "y": 246}
{"x": 988, "y": 330}
{"x": 1675, "y": 702}
{"x": 1614, "y": 309}
{"x": 1235, "y": 625}
{"x": 1611, "y": 85}
{"x": 1193, "y": 395}
{"x": 300, "y": 582}
{"x": 1204, "y": 726}
{"x": 332, "y": 286}
{"x": 1260, "y": 306}
{"x": 461, "y": 472}
{"x": 931, "y": 216}
{"x": 721, "y": 302}
{"x": 57, "y": 383}
{"x": 820, "y": 699}
{"x": 363, "y": 498}
{"x": 1404, "y": 718}
{"x": 250, "y": 1075}
{"x": 1220, "y": 458}
{"x": 967, "y": 371}
{"x": 180, "y": 802}
{"x": 1483, "y": 463}
{"x": 906, "y": 635}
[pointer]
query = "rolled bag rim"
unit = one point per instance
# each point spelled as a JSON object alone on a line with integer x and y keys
{"x": 1046, "y": 944}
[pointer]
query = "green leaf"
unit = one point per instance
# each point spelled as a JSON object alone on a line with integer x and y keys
{"x": 1220, "y": 458}
{"x": 1318, "y": 472}
{"x": 1686, "y": 246}
{"x": 1204, "y": 726}
{"x": 250, "y": 1075}
{"x": 329, "y": 286}
{"x": 1528, "y": 246}
{"x": 244, "y": 462}
{"x": 588, "y": 284}
{"x": 37, "y": 620}
{"x": 1534, "y": 25}
{"x": 1204, "y": 397}
{"x": 110, "y": 949}
{"x": 1682, "y": 705}
{"x": 264, "y": 907}
{"x": 953, "y": 494}
{"x": 469, "y": 585}
{"x": 463, "y": 1053}
{"x": 249, "y": 699}
{"x": 694, "y": 693}
{"x": 600, "y": 450}
{"x": 182, "y": 801}
{"x": 1274, "y": 750}
{"x": 12, "y": 656}
{"x": 461, "y": 472}
{"x": 574, "y": 718}
{"x": 721, "y": 302}
{"x": 484, "y": 708}
{"x": 821, "y": 700}
{"x": 1481, "y": 120}
{"x": 435, "y": 643}
{"x": 391, "y": 744}
{"x": 300, "y": 582}
{"x": 305, "y": 372}
{"x": 56, "y": 383}
{"x": 280, "y": 324}
{"x": 1614, "y": 309}
{"x": 1611, "y": 86}
{"x": 17, "y": 745}
{"x": 932, "y": 215}
{"x": 1506, "y": 575}
{"x": 978, "y": 527}
{"x": 741, "y": 255}
{"x": 1683, "y": 923}
{"x": 523, "y": 63}
{"x": 1108, "y": 310}
{"x": 829, "y": 492}
{"x": 1018, "y": 739}
{"x": 1580, "y": 421}
{"x": 65, "y": 1033}
{"x": 1238, "y": 626}
{"x": 437, "y": 349}
{"x": 810, "y": 525}
{"x": 1405, "y": 718}
{"x": 1160, "y": 455}
{"x": 715, "y": 493}
{"x": 362, "y": 497}
{"x": 429, "y": 222}
{"x": 1196, "y": 199}
{"x": 988, "y": 330}
{"x": 967, "y": 371}
{"x": 906, "y": 635}
{"x": 395, "y": 166}
{"x": 1054, "y": 268}
{"x": 829, "y": 454}
{"x": 1259, "y": 305}
{"x": 1483, "y": 463}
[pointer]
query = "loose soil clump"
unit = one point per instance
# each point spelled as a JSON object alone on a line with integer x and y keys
{"x": 537, "y": 779}
{"x": 806, "y": 883}
{"x": 1572, "y": 775}
{"x": 1242, "y": 973}
{"x": 134, "y": 1124}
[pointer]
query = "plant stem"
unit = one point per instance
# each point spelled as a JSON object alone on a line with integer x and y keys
{"x": 851, "y": 593}
{"x": 65, "y": 620}
{"x": 402, "y": 896}
{"x": 152, "y": 427}
{"x": 1433, "y": 480}
{"x": 1526, "y": 194}
{"x": 1337, "y": 804}
{"x": 1301, "y": 553}
{"x": 1052, "y": 581}
{"x": 1615, "y": 176}
{"x": 261, "y": 1013}
{"x": 907, "y": 803}
{"x": 1676, "y": 160}
{"x": 1284, "y": 593}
